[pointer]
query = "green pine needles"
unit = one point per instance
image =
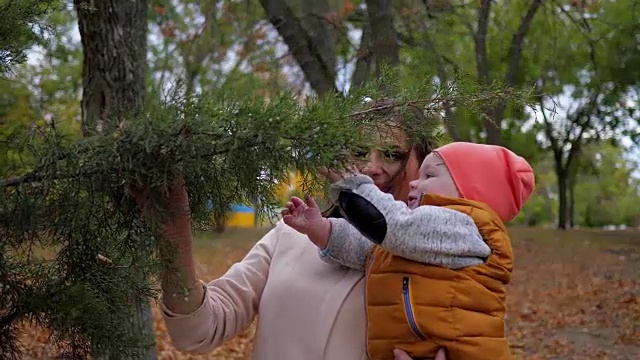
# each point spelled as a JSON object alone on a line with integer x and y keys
{"x": 19, "y": 29}
{"x": 75, "y": 253}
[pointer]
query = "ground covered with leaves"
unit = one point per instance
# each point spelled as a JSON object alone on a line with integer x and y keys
{"x": 574, "y": 295}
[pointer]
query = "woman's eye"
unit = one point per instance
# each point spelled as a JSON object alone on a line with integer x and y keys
{"x": 394, "y": 155}
{"x": 360, "y": 154}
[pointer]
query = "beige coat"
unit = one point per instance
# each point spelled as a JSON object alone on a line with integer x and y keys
{"x": 307, "y": 308}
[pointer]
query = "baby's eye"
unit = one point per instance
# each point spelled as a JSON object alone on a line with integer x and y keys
{"x": 427, "y": 175}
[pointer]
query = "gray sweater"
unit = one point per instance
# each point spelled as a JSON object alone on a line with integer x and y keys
{"x": 428, "y": 234}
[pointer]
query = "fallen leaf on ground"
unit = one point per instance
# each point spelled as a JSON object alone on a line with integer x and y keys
{"x": 571, "y": 297}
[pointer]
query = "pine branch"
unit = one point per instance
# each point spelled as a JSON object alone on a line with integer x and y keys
{"x": 222, "y": 143}
{"x": 432, "y": 104}
{"x": 24, "y": 179}
{"x": 35, "y": 176}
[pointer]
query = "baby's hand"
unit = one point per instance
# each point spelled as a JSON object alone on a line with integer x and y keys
{"x": 300, "y": 215}
{"x": 305, "y": 217}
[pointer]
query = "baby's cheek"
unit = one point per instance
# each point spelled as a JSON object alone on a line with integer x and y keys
{"x": 426, "y": 186}
{"x": 452, "y": 190}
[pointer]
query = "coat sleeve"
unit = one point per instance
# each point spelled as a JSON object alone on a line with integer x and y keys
{"x": 230, "y": 302}
{"x": 346, "y": 246}
{"x": 427, "y": 234}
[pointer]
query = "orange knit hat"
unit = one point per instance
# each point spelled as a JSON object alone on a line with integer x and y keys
{"x": 490, "y": 174}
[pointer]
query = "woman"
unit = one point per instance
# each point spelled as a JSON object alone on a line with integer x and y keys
{"x": 307, "y": 308}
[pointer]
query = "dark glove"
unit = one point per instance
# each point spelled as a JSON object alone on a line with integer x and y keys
{"x": 363, "y": 215}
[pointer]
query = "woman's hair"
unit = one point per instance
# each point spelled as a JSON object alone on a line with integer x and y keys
{"x": 407, "y": 117}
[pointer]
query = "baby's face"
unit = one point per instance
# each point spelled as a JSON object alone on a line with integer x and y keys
{"x": 434, "y": 178}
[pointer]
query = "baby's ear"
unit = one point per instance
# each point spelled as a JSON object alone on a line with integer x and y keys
{"x": 363, "y": 216}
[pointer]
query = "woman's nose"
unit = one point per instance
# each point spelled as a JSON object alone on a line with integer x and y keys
{"x": 373, "y": 167}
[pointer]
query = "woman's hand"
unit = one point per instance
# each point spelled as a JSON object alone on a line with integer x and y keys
{"x": 401, "y": 355}
{"x": 177, "y": 206}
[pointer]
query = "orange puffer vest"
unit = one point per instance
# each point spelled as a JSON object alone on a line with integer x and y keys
{"x": 420, "y": 308}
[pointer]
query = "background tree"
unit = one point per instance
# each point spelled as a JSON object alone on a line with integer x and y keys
{"x": 591, "y": 101}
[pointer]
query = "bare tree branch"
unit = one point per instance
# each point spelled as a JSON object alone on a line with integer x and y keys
{"x": 303, "y": 45}
{"x": 548, "y": 129}
{"x": 515, "y": 50}
{"x": 492, "y": 122}
{"x": 585, "y": 28}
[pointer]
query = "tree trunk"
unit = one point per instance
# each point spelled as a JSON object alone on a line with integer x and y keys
{"x": 365, "y": 55}
{"x": 114, "y": 43}
{"x": 383, "y": 34}
{"x": 572, "y": 201}
{"x": 588, "y": 215}
{"x": 561, "y": 175}
{"x": 219, "y": 224}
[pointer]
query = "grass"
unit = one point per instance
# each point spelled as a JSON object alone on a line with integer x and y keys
{"x": 573, "y": 295}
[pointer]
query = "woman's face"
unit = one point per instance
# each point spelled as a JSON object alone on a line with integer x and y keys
{"x": 391, "y": 163}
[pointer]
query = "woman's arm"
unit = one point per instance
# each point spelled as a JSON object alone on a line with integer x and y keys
{"x": 428, "y": 234}
{"x": 182, "y": 291}
{"x": 201, "y": 316}
{"x": 223, "y": 308}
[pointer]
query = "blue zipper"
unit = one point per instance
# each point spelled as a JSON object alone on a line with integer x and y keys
{"x": 366, "y": 312}
{"x": 408, "y": 309}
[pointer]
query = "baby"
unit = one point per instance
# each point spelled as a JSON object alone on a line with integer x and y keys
{"x": 435, "y": 268}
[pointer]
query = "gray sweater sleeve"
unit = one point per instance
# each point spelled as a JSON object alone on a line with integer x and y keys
{"x": 428, "y": 234}
{"x": 346, "y": 246}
